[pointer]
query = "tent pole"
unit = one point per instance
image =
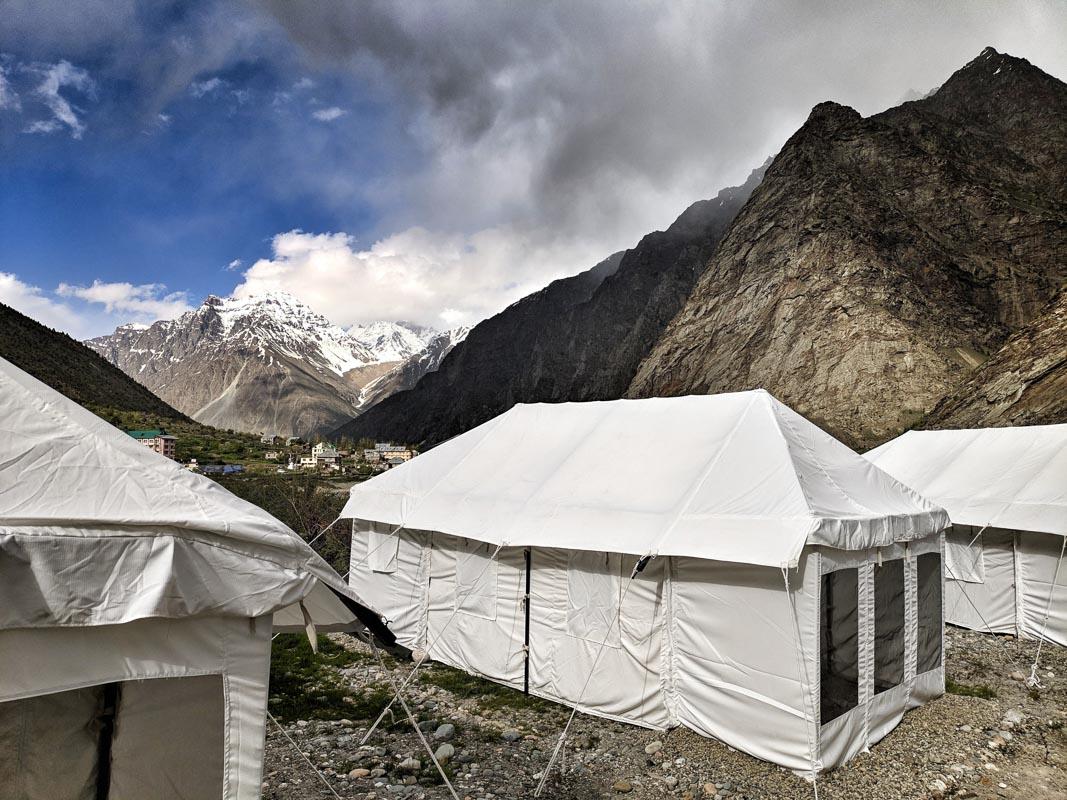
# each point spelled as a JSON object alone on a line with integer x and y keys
{"x": 526, "y": 635}
{"x": 106, "y": 720}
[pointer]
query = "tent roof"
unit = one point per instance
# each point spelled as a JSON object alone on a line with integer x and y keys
{"x": 97, "y": 529}
{"x": 735, "y": 477}
{"x": 1014, "y": 478}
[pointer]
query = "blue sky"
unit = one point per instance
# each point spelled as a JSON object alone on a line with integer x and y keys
{"x": 425, "y": 161}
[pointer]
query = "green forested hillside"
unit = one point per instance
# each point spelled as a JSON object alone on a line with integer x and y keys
{"x": 73, "y": 369}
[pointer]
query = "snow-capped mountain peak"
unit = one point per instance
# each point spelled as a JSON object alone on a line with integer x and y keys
{"x": 262, "y": 361}
{"x": 391, "y": 341}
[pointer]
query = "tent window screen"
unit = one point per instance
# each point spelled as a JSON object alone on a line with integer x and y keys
{"x": 928, "y": 600}
{"x": 888, "y": 625}
{"x": 839, "y": 643}
{"x": 476, "y": 579}
{"x": 964, "y": 561}
{"x": 593, "y": 588}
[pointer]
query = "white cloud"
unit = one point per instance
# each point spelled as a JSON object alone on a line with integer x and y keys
{"x": 235, "y": 264}
{"x": 55, "y": 77}
{"x": 439, "y": 279}
{"x": 34, "y": 303}
{"x": 329, "y": 114}
{"x": 9, "y": 99}
{"x": 304, "y": 83}
{"x": 43, "y": 126}
{"x": 86, "y": 311}
{"x": 201, "y": 88}
{"x": 146, "y": 302}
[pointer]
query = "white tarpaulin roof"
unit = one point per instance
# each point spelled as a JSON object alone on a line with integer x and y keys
{"x": 735, "y": 477}
{"x": 1014, "y": 478}
{"x": 96, "y": 529}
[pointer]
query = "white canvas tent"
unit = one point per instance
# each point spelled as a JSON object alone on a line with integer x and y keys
{"x": 1005, "y": 490}
{"x": 137, "y": 602}
{"x": 507, "y": 552}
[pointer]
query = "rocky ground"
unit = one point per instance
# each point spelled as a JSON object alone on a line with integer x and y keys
{"x": 990, "y": 737}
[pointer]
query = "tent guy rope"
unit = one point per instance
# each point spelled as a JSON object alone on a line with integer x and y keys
{"x": 1034, "y": 682}
{"x": 426, "y": 652}
{"x": 301, "y": 754}
{"x": 961, "y": 585}
{"x": 414, "y": 722}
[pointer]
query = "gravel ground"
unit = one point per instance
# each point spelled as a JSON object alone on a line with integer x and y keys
{"x": 1010, "y": 743}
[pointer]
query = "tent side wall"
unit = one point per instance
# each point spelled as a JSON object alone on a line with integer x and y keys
{"x": 584, "y": 604}
{"x": 745, "y": 665}
{"x": 1037, "y": 555}
{"x": 439, "y": 583}
{"x": 391, "y": 569}
{"x": 980, "y": 579}
{"x": 1001, "y": 581}
{"x": 715, "y": 646}
{"x": 174, "y": 678}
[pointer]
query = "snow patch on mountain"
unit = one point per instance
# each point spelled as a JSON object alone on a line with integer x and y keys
{"x": 232, "y": 361}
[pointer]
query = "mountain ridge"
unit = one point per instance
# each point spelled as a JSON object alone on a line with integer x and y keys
{"x": 267, "y": 364}
{"x": 883, "y": 258}
{"x": 579, "y": 338}
{"x": 73, "y": 369}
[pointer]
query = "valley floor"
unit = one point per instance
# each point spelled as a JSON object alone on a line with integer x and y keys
{"x": 991, "y": 737}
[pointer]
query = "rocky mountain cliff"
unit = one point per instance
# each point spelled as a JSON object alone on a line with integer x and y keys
{"x": 263, "y": 364}
{"x": 1024, "y": 383}
{"x": 882, "y": 259}
{"x": 73, "y": 369}
{"x": 579, "y": 338}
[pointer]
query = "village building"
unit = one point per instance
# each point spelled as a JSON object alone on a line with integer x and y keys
{"x": 156, "y": 439}
{"x": 325, "y": 455}
{"x": 391, "y": 451}
{"x": 222, "y": 469}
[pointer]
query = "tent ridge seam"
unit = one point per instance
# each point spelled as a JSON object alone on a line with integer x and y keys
{"x": 655, "y": 548}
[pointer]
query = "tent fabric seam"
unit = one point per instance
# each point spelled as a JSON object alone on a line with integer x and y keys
{"x": 704, "y": 475}
{"x": 867, "y": 512}
{"x": 93, "y": 429}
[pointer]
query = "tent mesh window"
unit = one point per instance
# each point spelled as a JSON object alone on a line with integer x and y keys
{"x": 929, "y": 606}
{"x": 839, "y": 643}
{"x": 888, "y": 625}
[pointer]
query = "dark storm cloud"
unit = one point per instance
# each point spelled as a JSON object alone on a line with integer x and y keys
{"x": 469, "y": 152}
{"x": 615, "y": 115}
